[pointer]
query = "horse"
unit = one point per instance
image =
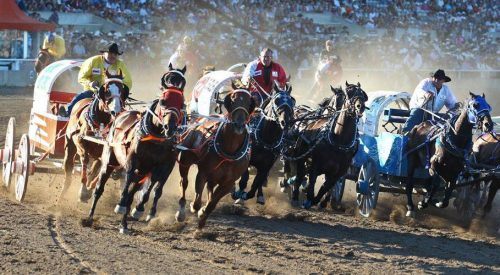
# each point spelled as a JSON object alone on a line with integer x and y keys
{"x": 91, "y": 117}
{"x": 330, "y": 142}
{"x": 221, "y": 151}
{"x": 486, "y": 155}
{"x": 268, "y": 132}
{"x": 143, "y": 144}
{"x": 43, "y": 59}
{"x": 444, "y": 156}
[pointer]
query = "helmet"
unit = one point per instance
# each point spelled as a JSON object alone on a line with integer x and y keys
{"x": 51, "y": 37}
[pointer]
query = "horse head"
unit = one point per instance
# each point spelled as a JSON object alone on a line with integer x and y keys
{"x": 43, "y": 60}
{"x": 281, "y": 106}
{"x": 113, "y": 93}
{"x": 478, "y": 112}
{"x": 174, "y": 78}
{"x": 356, "y": 98}
{"x": 239, "y": 104}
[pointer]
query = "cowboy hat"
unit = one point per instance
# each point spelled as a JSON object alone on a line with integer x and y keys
{"x": 112, "y": 48}
{"x": 439, "y": 74}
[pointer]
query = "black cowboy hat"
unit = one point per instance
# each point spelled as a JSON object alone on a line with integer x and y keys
{"x": 112, "y": 48}
{"x": 439, "y": 74}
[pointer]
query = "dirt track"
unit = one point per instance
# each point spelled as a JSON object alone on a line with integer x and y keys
{"x": 44, "y": 237}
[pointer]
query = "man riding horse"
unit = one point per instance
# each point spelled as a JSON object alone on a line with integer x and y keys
{"x": 260, "y": 75}
{"x": 53, "y": 48}
{"x": 431, "y": 94}
{"x": 92, "y": 74}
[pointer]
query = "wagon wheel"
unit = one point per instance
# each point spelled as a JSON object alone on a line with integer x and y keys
{"x": 367, "y": 188}
{"x": 337, "y": 193}
{"x": 7, "y": 153}
{"x": 22, "y": 167}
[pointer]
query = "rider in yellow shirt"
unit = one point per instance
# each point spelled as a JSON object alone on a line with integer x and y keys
{"x": 93, "y": 70}
{"x": 55, "y": 45}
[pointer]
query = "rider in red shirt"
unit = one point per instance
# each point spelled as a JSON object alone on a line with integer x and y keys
{"x": 261, "y": 75}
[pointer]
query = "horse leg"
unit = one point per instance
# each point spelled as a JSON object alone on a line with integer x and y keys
{"x": 139, "y": 207}
{"x": 130, "y": 198}
{"x": 258, "y": 183}
{"x": 491, "y": 195}
{"x": 450, "y": 186}
{"x": 298, "y": 181}
{"x": 180, "y": 215}
{"x": 220, "y": 191}
{"x": 130, "y": 177}
{"x": 164, "y": 172}
{"x": 409, "y": 188}
{"x": 431, "y": 185}
{"x": 68, "y": 164}
{"x": 325, "y": 188}
{"x": 242, "y": 185}
{"x": 198, "y": 189}
{"x": 103, "y": 178}
{"x": 313, "y": 176}
{"x": 84, "y": 194}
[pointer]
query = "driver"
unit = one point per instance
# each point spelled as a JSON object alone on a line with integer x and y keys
{"x": 261, "y": 74}
{"x": 431, "y": 94}
{"x": 93, "y": 71}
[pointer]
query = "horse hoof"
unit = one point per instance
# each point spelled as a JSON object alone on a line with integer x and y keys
{"x": 120, "y": 209}
{"x": 410, "y": 214}
{"x": 283, "y": 189}
{"x": 295, "y": 203}
{"x": 191, "y": 208}
{"x": 180, "y": 216}
{"x": 239, "y": 201}
{"x": 261, "y": 200}
{"x": 421, "y": 205}
{"x": 84, "y": 194}
{"x": 149, "y": 217}
{"x": 307, "y": 204}
{"x": 201, "y": 212}
{"x": 441, "y": 204}
{"x": 136, "y": 214}
{"x": 124, "y": 231}
{"x": 323, "y": 204}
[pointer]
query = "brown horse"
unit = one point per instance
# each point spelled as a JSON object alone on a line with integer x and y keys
{"x": 91, "y": 118}
{"x": 486, "y": 154}
{"x": 143, "y": 144}
{"x": 445, "y": 156}
{"x": 330, "y": 143}
{"x": 43, "y": 59}
{"x": 221, "y": 151}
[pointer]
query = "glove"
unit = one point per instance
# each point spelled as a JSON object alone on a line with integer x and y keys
{"x": 95, "y": 85}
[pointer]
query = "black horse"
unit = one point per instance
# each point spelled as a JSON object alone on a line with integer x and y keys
{"x": 268, "y": 132}
{"x": 330, "y": 143}
{"x": 445, "y": 155}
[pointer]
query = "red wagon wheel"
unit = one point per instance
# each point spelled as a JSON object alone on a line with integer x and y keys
{"x": 7, "y": 153}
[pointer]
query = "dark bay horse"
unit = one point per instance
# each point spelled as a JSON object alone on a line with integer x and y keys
{"x": 43, "y": 59}
{"x": 92, "y": 117}
{"x": 330, "y": 143}
{"x": 221, "y": 151}
{"x": 268, "y": 132}
{"x": 143, "y": 144}
{"x": 486, "y": 154}
{"x": 445, "y": 156}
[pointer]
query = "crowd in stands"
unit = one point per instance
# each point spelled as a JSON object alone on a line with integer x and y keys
{"x": 456, "y": 34}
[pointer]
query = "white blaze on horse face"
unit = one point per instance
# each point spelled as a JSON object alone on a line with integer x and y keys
{"x": 116, "y": 105}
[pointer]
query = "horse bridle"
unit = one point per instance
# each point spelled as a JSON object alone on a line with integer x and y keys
{"x": 240, "y": 107}
{"x": 351, "y": 101}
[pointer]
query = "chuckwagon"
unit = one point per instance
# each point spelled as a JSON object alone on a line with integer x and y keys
{"x": 380, "y": 164}
{"x": 55, "y": 87}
